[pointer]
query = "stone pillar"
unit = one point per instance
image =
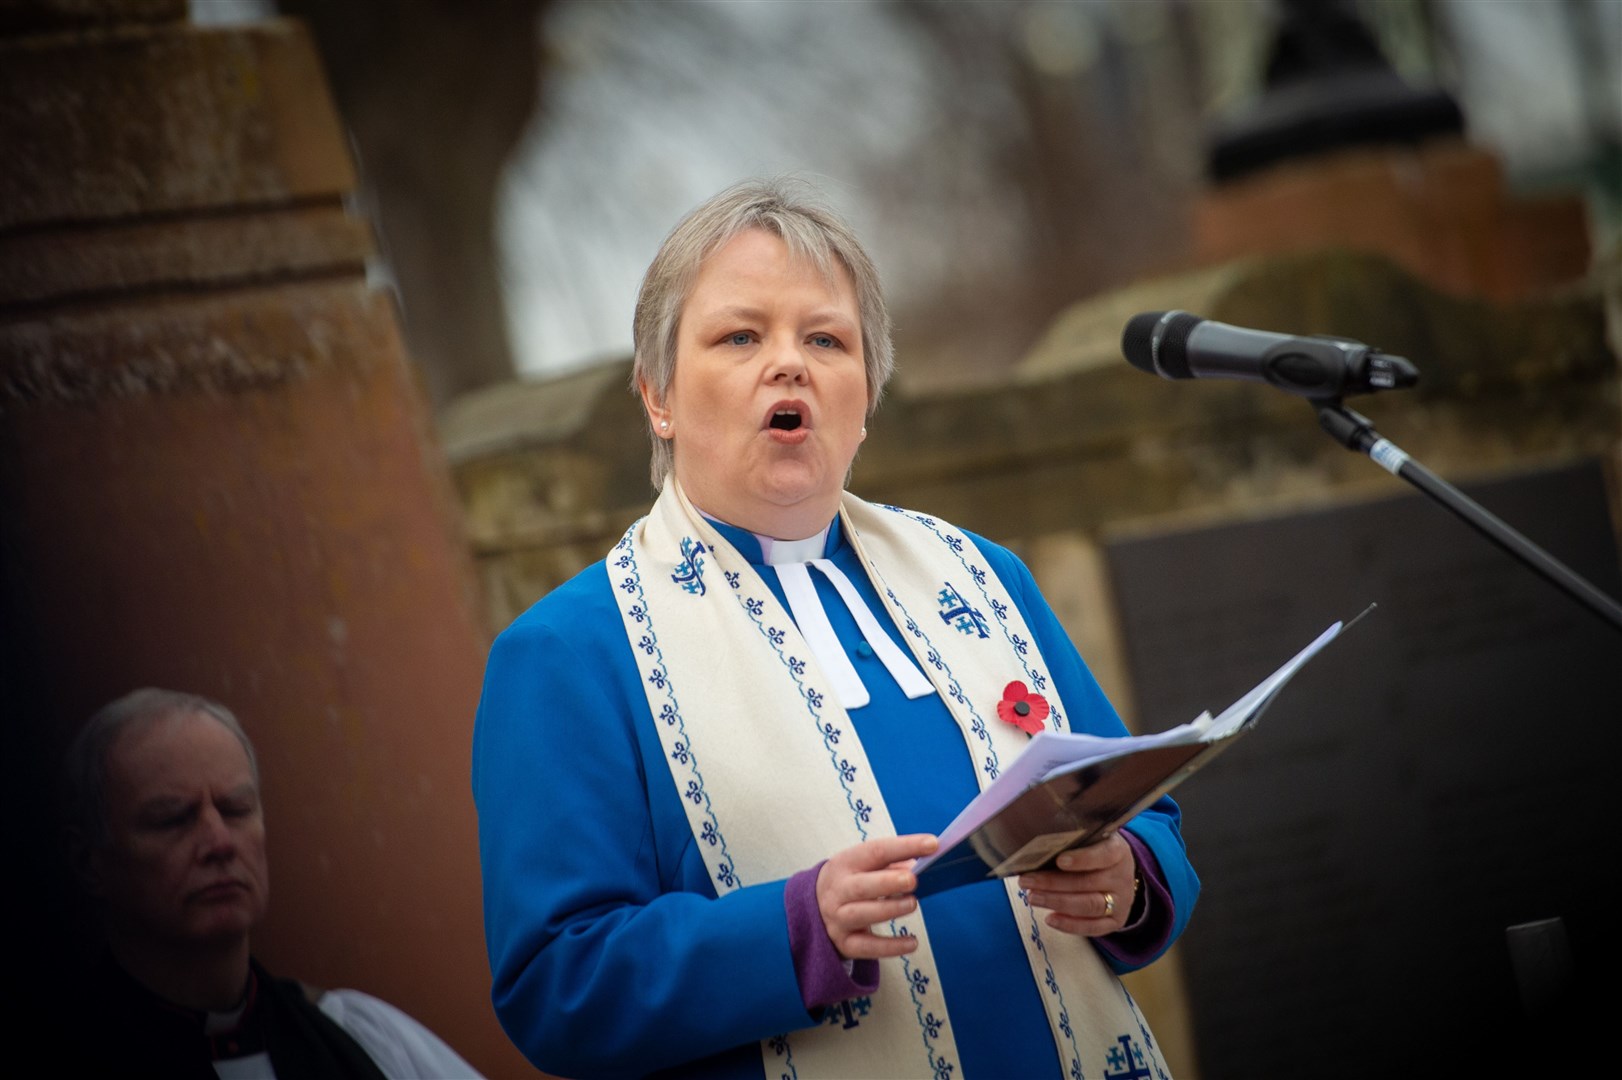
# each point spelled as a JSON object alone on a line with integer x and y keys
{"x": 217, "y": 475}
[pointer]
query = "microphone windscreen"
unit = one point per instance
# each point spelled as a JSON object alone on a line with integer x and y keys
{"x": 1138, "y": 343}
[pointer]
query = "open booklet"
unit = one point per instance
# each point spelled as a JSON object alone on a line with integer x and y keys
{"x": 1069, "y": 790}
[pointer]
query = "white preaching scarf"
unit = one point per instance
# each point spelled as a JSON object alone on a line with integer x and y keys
{"x": 792, "y": 559}
{"x": 398, "y": 1044}
{"x": 658, "y": 570}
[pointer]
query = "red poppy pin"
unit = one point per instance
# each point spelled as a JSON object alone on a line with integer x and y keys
{"x": 1022, "y": 708}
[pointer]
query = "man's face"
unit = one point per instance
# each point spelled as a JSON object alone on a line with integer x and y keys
{"x": 185, "y": 860}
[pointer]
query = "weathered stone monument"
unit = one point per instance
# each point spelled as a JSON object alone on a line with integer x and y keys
{"x": 217, "y": 475}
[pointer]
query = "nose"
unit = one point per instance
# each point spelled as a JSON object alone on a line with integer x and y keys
{"x": 785, "y": 362}
{"x": 216, "y": 841}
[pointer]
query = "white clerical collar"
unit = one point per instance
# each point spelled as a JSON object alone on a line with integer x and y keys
{"x": 774, "y": 552}
{"x": 792, "y": 559}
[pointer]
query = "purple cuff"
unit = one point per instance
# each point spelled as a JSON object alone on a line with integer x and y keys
{"x": 817, "y": 964}
{"x": 1142, "y": 939}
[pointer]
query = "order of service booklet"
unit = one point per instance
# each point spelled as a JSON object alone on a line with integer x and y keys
{"x": 1069, "y": 790}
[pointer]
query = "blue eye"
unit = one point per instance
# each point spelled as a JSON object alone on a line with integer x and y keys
{"x": 823, "y": 341}
{"x": 740, "y": 338}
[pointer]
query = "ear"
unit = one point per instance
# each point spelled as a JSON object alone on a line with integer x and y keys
{"x": 658, "y": 411}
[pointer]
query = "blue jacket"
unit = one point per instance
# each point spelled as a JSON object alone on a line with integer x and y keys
{"x": 611, "y": 954}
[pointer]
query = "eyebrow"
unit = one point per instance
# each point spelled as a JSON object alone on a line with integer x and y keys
{"x": 159, "y": 805}
{"x": 734, "y": 312}
{"x": 748, "y": 314}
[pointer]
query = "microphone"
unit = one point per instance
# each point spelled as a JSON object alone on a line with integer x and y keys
{"x": 1177, "y": 345}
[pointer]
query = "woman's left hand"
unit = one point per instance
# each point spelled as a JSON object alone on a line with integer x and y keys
{"x": 1091, "y": 892}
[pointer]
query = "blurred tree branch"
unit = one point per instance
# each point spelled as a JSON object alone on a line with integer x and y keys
{"x": 436, "y": 95}
{"x": 1072, "y": 199}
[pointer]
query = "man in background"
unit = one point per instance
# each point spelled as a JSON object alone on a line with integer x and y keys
{"x": 167, "y": 834}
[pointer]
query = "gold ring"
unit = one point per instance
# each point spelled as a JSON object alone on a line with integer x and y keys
{"x": 1109, "y": 904}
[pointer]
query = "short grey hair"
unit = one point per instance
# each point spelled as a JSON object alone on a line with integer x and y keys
{"x": 789, "y": 209}
{"x": 85, "y": 767}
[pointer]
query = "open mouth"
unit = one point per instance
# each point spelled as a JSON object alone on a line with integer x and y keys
{"x": 785, "y": 420}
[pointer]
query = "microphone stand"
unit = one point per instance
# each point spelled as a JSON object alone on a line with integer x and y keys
{"x": 1355, "y": 432}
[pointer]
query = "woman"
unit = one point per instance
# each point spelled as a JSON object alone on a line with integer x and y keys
{"x": 704, "y": 765}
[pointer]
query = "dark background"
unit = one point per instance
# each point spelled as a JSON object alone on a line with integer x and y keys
{"x": 1441, "y": 772}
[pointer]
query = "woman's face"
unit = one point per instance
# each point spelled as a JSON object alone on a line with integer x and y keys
{"x": 770, "y": 390}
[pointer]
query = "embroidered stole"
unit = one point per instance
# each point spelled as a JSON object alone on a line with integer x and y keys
{"x": 773, "y": 776}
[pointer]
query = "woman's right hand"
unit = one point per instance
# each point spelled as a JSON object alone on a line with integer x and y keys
{"x": 869, "y": 883}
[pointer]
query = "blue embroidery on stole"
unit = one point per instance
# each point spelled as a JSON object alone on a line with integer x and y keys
{"x": 954, "y": 689}
{"x": 831, "y": 732}
{"x": 1052, "y": 983}
{"x": 848, "y": 1014}
{"x": 1143, "y": 1029}
{"x": 1126, "y": 1061}
{"x": 780, "y": 1047}
{"x": 827, "y": 729}
{"x": 690, "y": 571}
{"x": 991, "y": 765}
{"x": 670, "y": 711}
{"x": 958, "y": 614}
{"x": 1021, "y": 647}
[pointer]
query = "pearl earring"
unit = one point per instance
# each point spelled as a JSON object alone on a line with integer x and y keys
{"x": 864, "y": 433}
{"x": 664, "y": 425}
